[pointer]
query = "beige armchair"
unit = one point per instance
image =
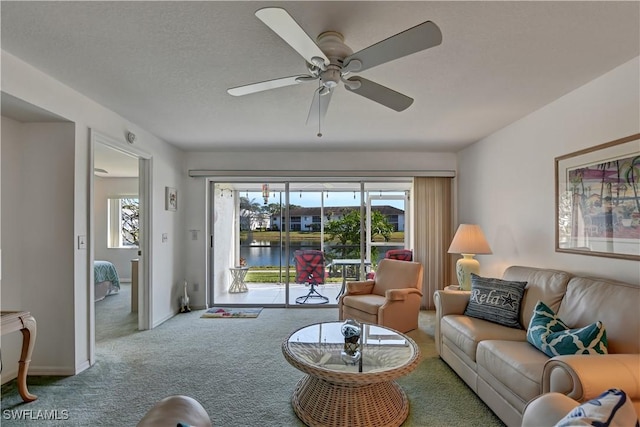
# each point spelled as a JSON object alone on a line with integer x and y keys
{"x": 392, "y": 299}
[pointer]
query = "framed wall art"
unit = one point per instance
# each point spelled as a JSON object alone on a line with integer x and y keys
{"x": 171, "y": 199}
{"x": 598, "y": 200}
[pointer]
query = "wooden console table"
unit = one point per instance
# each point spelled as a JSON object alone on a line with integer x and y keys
{"x": 23, "y": 321}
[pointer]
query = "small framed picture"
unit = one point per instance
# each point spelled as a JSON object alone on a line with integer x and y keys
{"x": 171, "y": 199}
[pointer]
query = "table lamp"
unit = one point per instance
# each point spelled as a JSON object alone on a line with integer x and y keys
{"x": 468, "y": 241}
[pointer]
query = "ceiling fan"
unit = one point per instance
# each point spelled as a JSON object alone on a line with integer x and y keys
{"x": 330, "y": 61}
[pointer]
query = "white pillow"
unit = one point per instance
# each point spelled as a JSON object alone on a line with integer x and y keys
{"x": 612, "y": 408}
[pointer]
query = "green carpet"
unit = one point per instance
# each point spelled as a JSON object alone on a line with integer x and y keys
{"x": 235, "y": 369}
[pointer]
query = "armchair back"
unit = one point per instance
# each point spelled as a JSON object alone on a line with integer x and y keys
{"x": 395, "y": 274}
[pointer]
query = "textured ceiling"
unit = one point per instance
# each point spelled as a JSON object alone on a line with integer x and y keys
{"x": 166, "y": 66}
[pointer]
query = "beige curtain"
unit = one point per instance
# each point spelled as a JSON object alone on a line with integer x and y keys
{"x": 433, "y": 225}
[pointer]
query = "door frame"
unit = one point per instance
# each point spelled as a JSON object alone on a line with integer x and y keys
{"x": 145, "y": 247}
{"x": 407, "y": 229}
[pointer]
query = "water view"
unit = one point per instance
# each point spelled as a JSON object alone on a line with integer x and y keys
{"x": 272, "y": 253}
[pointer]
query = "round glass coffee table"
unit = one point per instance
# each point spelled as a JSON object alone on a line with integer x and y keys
{"x": 337, "y": 393}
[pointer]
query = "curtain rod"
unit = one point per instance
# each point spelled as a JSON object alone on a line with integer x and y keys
{"x": 334, "y": 174}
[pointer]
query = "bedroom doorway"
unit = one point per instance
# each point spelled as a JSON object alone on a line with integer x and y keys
{"x": 119, "y": 297}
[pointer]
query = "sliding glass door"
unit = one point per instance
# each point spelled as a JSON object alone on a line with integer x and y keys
{"x": 297, "y": 243}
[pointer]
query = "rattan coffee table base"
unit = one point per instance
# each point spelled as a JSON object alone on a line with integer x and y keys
{"x": 321, "y": 403}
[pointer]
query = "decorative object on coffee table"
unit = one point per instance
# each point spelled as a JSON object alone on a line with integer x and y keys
{"x": 468, "y": 241}
{"x": 351, "y": 332}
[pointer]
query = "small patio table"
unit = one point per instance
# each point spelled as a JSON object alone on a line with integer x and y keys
{"x": 237, "y": 284}
{"x": 344, "y": 263}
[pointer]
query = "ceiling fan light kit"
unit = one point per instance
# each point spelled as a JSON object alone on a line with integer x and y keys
{"x": 330, "y": 61}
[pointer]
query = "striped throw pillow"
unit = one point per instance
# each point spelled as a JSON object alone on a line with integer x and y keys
{"x": 496, "y": 300}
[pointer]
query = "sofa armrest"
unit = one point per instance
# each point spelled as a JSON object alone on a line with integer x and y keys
{"x": 360, "y": 288}
{"x": 547, "y": 410}
{"x": 584, "y": 377}
{"x": 448, "y": 302}
{"x": 400, "y": 294}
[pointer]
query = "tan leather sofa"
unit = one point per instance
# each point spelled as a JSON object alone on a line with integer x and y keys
{"x": 506, "y": 372}
{"x": 391, "y": 299}
{"x": 176, "y": 409}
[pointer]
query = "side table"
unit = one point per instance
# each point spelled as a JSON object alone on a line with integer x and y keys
{"x": 237, "y": 283}
{"x": 23, "y": 321}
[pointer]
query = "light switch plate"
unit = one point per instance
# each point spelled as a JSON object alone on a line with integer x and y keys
{"x": 82, "y": 242}
{"x": 164, "y": 237}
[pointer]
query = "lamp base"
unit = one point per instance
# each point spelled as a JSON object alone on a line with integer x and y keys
{"x": 464, "y": 267}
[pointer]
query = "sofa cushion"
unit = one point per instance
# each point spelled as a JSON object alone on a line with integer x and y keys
{"x": 589, "y": 300}
{"x": 543, "y": 284}
{"x": 495, "y": 300}
{"x": 466, "y": 332}
{"x": 515, "y": 364}
{"x": 612, "y": 408}
{"x": 549, "y": 334}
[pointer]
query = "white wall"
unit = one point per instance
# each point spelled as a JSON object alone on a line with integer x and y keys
{"x": 38, "y": 242}
{"x": 506, "y": 181}
{"x": 103, "y": 189}
{"x": 24, "y": 82}
{"x": 10, "y": 296}
{"x": 330, "y": 163}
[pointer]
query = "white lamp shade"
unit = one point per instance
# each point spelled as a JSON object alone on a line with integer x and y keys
{"x": 468, "y": 241}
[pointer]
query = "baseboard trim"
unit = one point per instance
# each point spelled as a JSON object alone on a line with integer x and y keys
{"x": 164, "y": 319}
{"x": 83, "y": 366}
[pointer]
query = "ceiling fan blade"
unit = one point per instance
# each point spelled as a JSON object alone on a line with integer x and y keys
{"x": 420, "y": 37}
{"x": 380, "y": 94}
{"x": 269, "y": 84}
{"x": 319, "y": 106}
{"x": 291, "y": 32}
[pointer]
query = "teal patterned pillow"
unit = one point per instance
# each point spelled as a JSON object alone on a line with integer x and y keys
{"x": 553, "y": 337}
{"x": 496, "y": 300}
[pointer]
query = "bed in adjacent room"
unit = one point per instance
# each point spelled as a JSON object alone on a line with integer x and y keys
{"x": 107, "y": 281}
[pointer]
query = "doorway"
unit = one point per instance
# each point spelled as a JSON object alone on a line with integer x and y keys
{"x": 120, "y": 182}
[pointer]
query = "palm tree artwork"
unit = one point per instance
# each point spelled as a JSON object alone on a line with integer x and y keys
{"x": 607, "y": 196}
